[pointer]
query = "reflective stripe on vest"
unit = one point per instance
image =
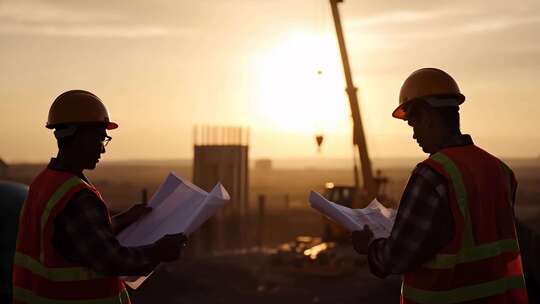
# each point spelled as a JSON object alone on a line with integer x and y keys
{"x": 464, "y": 294}
{"x": 57, "y": 195}
{"x": 469, "y": 252}
{"x": 27, "y": 296}
{"x": 461, "y": 196}
{"x": 71, "y": 183}
{"x": 473, "y": 254}
{"x": 63, "y": 274}
{"x": 36, "y": 266}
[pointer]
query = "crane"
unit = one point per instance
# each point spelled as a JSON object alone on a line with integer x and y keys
{"x": 336, "y": 259}
{"x": 356, "y": 196}
{"x": 370, "y": 185}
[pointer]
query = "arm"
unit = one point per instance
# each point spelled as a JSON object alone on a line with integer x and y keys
{"x": 83, "y": 235}
{"x": 128, "y": 217}
{"x": 424, "y": 224}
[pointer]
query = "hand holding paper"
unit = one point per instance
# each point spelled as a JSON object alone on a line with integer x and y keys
{"x": 378, "y": 218}
{"x": 169, "y": 247}
{"x": 178, "y": 206}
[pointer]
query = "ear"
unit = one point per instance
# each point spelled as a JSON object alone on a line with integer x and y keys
{"x": 429, "y": 121}
{"x": 428, "y": 118}
{"x": 415, "y": 111}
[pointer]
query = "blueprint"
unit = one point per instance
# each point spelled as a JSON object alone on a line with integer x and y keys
{"x": 178, "y": 206}
{"x": 377, "y": 217}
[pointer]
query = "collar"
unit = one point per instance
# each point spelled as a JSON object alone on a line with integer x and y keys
{"x": 56, "y": 165}
{"x": 457, "y": 141}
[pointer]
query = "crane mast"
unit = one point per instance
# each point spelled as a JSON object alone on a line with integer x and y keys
{"x": 359, "y": 138}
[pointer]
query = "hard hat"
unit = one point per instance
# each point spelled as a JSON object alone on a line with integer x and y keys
{"x": 432, "y": 85}
{"x": 78, "y": 107}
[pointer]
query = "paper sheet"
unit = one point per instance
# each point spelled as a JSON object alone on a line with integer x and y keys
{"x": 377, "y": 217}
{"x": 178, "y": 206}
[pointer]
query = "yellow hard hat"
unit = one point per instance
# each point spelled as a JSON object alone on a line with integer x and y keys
{"x": 78, "y": 107}
{"x": 424, "y": 84}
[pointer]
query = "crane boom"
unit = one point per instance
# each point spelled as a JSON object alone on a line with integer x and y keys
{"x": 359, "y": 138}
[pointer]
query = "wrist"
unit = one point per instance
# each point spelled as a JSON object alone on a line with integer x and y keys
{"x": 375, "y": 259}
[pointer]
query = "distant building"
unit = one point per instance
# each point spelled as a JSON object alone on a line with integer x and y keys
{"x": 3, "y": 168}
{"x": 221, "y": 155}
{"x": 263, "y": 165}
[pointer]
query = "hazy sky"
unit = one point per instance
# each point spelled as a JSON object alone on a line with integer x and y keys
{"x": 163, "y": 67}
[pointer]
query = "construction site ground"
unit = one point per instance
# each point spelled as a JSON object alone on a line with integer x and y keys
{"x": 249, "y": 278}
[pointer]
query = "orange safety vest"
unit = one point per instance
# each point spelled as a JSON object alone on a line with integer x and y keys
{"x": 482, "y": 263}
{"x": 40, "y": 273}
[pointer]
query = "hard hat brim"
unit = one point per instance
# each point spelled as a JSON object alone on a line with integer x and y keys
{"x": 401, "y": 113}
{"x": 111, "y": 125}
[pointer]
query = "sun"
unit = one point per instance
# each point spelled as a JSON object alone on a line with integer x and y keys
{"x": 300, "y": 86}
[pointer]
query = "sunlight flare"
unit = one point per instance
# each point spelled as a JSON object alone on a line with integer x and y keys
{"x": 300, "y": 85}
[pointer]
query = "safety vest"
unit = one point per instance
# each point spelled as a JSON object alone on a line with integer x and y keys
{"x": 40, "y": 273}
{"x": 482, "y": 263}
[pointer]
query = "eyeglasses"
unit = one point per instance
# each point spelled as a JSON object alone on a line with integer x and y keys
{"x": 106, "y": 140}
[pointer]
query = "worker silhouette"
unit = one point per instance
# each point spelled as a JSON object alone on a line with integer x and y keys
{"x": 454, "y": 238}
{"x": 66, "y": 247}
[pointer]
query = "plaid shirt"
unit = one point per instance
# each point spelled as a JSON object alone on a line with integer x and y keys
{"x": 83, "y": 235}
{"x": 424, "y": 223}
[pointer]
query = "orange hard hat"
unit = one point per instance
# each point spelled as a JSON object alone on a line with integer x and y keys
{"x": 433, "y": 85}
{"x": 78, "y": 107}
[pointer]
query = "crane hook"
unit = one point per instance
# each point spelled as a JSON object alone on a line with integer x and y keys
{"x": 319, "y": 138}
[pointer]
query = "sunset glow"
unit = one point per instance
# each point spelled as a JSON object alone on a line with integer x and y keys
{"x": 300, "y": 85}
{"x": 164, "y": 67}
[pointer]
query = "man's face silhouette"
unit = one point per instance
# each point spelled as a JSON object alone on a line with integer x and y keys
{"x": 89, "y": 145}
{"x": 425, "y": 129}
